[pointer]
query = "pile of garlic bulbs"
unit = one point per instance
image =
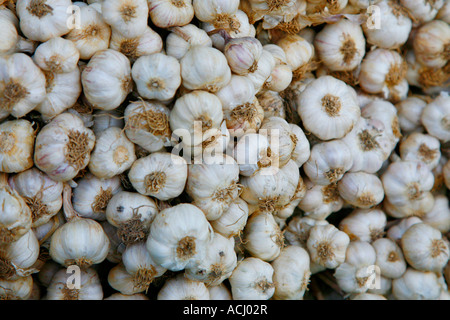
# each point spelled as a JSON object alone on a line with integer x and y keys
{"x": 224, "y": 149}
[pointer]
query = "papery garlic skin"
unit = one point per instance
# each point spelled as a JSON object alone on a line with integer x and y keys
{"x": 298, "y": 51}
{"x": 361, "y": 189}
{"x": 19, "y": 289}
{"x": 424, "y": 248}
{"x": 296, "y": 233}
{"x": 91, "y": 196}
{"x": 435, "y": 117}
{"x": 220, "y": 292}
{"x": 168, "y": 13}
{"x": 439, "y": 216}
{"x": 119, "y": 279}
{"x": 43, "y": 20}
{"x": 341, "y": 46}
{"x": 112, "y": 155}
{"x": 251, "y": 153}
{"x": 396, "y": 232}
{"x": 92, "y": 36}
{"x": 328, "y": 108}
{"x": 243, "y": 54}
{"x": 416, "y": 285}
{"x": 422, "y": 11}
{"x": 421, "y": 147}
{"x": 182, "y": 288}
{"x": 262, "y": 73}
{"x": 218, "y": 12}
{"x": 157, "y": 76}
{"x": 60, "y": 287}
{"x": 364, "y": 225}
{"x": 327, "y": 245}
{"x": 42, "y": 194}
{"x": 107, "y": 79}
{"x": 409, "y": 112}
{"x": 161, "y": 175}
{"x": 106, "y": 119}
{"x": 204, "y": 68}
{"x": 10, "y": 37}
{"x": 232, "y": 221}
{"x": 125, "y": 16}
{"x": 390, "y": 258}
{"x": 179, "y": 236}
{"x": 431, "y": 44}
{"x": 182, "y": 39}
{"x": 22, "y": 85}
{"x": 301, "y": 152}
{"x": 57, "y": 55}
{"x": 16, "y": 145}
{"x": 63, "y": 147}
{"x": 252, "y": 279}
{"x": 291, "y": 273}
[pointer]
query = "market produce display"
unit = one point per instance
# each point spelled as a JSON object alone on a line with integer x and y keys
{"x": 224, "y": 149}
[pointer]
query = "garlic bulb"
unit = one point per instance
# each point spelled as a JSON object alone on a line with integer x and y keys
{"x": 127, "y": 17}
{"x": 220, "y": 292}
{"x": 301, "y": 152}
{"x": 272, "y": 103}
{"x": 16, "y": 145}
{"x": 105, "y": 119}
{"x": 320, "y": 201}
{"x": 18, "y": 258}
{"x": 213, "y": 185}
{"x": 157, "y": 76}
{"x": 394, "y": 20}
{"x": 409, "y": 111}
{"x": 262, "y": 73}
{"x": 396, "y": 232}
{"x": 431, "y": 44}
{"x": 182, "y": 288}
{"x": 47, "y": 271}
{"x": 22, "y": 85}
{"x": 181, "y": 39}
{"x": 60, "y": 287}
{"x": 91, "y": 196}
{"x": 383, "y": 72}
{"x": 435, "y": 117}
{"x": 92, "y": 36}
{"x": 422, "y": 10}
{"x": 328, "y": 162}
{"x": 421, "y": 147}
{"x": 139, "y": 264}
{"x": 119, "y": 279}
{"x": 42, "y": 194}
{"x": 297, "y": 231}
{"x": 80, "y": 241}
{"x": 116, "y": 246}
{"x": 390, "y": 258}
{"x": 364, "y": 225}
{"x": 204, "y": 68}
{"x": 9, "y": 37}
{"x": 107, "y": 79}
{"x": 299, "y": 51}
{"x": 57, "y": 55}
{"x": 416, "y": 285}
{"x": 252, "y": 279}
{"x": 424, "y": 248}
{"x": 132, "y": 213}
{"x": 356, "y": 274}
{"x": 19, "y": 289}
{"x": 169, "y": 13}
{"x": 232, "y": 221}
{"x": 41, "y": 20}
{"x": 46, "y": 230}
{"x": 194, "y": 114}
{"x": 439, "y": 216}
{"x": 63, "y": 147}
{"x": 341, "y": 45}
{"x": 243, "y": 54}
{"x": 217, "y": 265}
{"x": 262, "y": 236}
{"x": 327, "y": 245}
{"x": 147, "y": 124}
{"x": 328, "y": 108}
{"x": 291, "y": 273}
{"x": 179, "y": 236}
{"x": 112, "y": 155}
{"x": 444, "y": 13}
{"x": 361, "y": 189}
{"x": 218, "y": 12}
{"x": 145, "y": 44}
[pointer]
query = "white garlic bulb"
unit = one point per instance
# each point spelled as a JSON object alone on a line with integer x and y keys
{"x": 132, "y": 214}
{"x": 364, "y": 224}
{"x": 262, "y": 236}
{"x": 218, "y": 263}
{"x": 119, "y": 279}
{"x": 358, "y": 273}
{"x": 22, "y": 85}
{"x": 41, "y": 20}
{"x": 252, "y": 279}
{"x": 218, "y": 12}
{"x": 390, "y": 258}
{"x": 328, "y": 108}
{"x": 179, "y": 236}
{"x": 328, "y": 162}
{"x": 296, "y": 233}
{"x": 327, "y": 245}
{"x": 291, "y": 273}
{"x": 436, "y": 117}
{"x": 80, "y": 241}
{"x": 60, "y": 287}
{"x": 19, "y": 289}
{"x": 396, "y": 232}
{"x": 42, "y": 194}
{"x": 16, "y": 145}
{"x": 57, "y": 55}
{"x": 341, "y": 45}
{"x": 104, "y": 119}
{"x": 421, "y": 147}
{"x": 439, "y": 216}
{"x": 181, "y": 39}
{"x": 169, "y": 13}
{"x": 127, "y": 17}
{"x": 422, "y": 10}
{"x": 243, "y": 54}
{"x": 301, "y": 152}
{"x": 299, "y": 51}
{"x": 219, "y": 292}
{"x": 63, "y": 147}
{"x": 204, "y": 68}
{"x": 424, "y": 248}
{"x": 263, "y": 71}
{"x": 361, "y": 189}
{"x": 409, "y": 111}
{"x": 107, "y": 79}
{"x": 182, "y": 288}
{"x": 139, "y": 264}
{"x": 233, "y": 220}
{"x": 416, "y": 285}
